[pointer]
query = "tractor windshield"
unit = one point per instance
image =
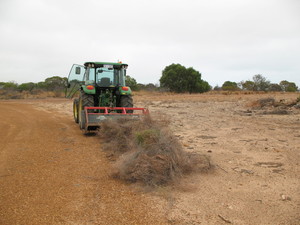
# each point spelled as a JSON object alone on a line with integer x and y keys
{"x": 105, "y": 77}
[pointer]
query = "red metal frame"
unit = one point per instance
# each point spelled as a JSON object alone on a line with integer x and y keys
{"x": 124, "y": 110}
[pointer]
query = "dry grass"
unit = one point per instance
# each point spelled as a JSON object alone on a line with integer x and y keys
{"x": 215, "y": 96}
{"x": 270, "y": 105}
{"x": 35, "y": 94}
{"x": 147, "y": 152}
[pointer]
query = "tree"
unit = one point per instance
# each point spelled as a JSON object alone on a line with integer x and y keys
{"x": 41, "y": 85}
{"x": 275, "y": 87}
{"x": 131, "y": 82}
{"x": 230, "y": 86}
{"x": 11, "y": 85}
{"x": 56, "y": 83}
{"x": 217, "y": 88}
{"x": 26, "y": 86}
{"x": 203, "y": 86}
{"x": 288, "y": 86}
{"x": 247, "y": 85}
{"x": 260, "y": 83}
{"x": 177, "y": 78}
{"x": 2, "y": 85}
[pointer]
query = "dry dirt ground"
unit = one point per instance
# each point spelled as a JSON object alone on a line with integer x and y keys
{"x": 50, "y": 173}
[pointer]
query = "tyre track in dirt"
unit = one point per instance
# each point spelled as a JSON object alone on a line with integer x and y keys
{"x": 50, "y": 173}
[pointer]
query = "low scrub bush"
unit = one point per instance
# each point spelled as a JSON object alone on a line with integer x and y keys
{"x": 266, "y": 102}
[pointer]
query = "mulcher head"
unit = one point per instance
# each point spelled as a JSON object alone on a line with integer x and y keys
{"x": 92, "y": 117}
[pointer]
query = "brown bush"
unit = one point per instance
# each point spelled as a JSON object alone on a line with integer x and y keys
{"x": 271, "y": 103}
{"x": 148, "y": 152}
{"x": 10, "y": 94}
{"x": 266, "y": 102}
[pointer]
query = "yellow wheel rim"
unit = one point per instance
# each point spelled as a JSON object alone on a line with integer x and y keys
{"x": 75, "y": 111}
{"x": 79, "y": 110}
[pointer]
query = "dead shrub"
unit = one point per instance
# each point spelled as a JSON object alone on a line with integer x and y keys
{"x": 10, "y": 94}
{"x": 117, "y": 135}
{"x": 277, "y": 112}
{"x": 262, "y": 103}
{"x": 281, "y": 107}
{"x": 266, "y": 102}
{"x": 147, "y": 152}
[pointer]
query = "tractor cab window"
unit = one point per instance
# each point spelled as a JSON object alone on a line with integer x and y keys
{"x": 76, "y": 74}
{"x": 89, "y": 76}
{"x": 75, "y": 79}
{"x": 105, "y": 76}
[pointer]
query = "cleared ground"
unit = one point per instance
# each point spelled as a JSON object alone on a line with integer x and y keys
{"x": 50, "y": 173}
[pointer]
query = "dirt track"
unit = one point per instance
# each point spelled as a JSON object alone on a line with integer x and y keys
{"x": 50, "y": 173}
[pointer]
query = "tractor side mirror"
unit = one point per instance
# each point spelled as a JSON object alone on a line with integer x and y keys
{"x": 68, "y": 85}
{"x": 77, "y": 70}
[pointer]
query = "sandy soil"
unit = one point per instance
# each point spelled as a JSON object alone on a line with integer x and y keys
{"x": 50, "y": 173}
{"x": 256, "y": 158}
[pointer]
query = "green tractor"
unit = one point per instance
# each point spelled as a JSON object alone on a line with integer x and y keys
{"x": 102, "y": 92}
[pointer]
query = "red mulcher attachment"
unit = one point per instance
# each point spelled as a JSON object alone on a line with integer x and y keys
{"x": 93, "y": 116}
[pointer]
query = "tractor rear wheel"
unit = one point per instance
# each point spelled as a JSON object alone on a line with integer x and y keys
{"x": 75, "y": 110}
{"x": 127, "y": 102}
{"x": 84, "y": 101}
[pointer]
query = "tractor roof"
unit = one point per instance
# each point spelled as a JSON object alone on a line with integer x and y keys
{"x": 101, "y": 64}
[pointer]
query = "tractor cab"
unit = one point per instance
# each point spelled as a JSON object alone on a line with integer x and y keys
{"x": 105, "y": 74}
{"x": 97, "y": 76}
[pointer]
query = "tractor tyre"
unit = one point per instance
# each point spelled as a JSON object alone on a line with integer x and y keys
{"x": 75, "y": 110}
{"x": 127, "y": 102}
{"x": 83, "y": 120}
{"x": 84, "y": 100}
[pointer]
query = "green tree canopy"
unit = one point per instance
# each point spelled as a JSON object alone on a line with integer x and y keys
{"x": 230, "y": 86}
{"x": 11, "y": 85}
{"x": 148, "y": 87}
{"x": 288, "y": 86}
{"x": 41, "y": 85}
{"x": 275, "y": 87}
{"x": 177, "y": 78}
{"x": 247, "y": 85}
{"x": 26, "y": 86}
{"x": 259, "y": 83}
{"x": 131, "y": 82}
{"x": 56, "y": 83}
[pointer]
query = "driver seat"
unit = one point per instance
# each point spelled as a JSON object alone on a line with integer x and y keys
{"x": 105, "y": 82}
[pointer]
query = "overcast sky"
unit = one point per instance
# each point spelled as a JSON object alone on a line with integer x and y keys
{"x": 222, "y": 39}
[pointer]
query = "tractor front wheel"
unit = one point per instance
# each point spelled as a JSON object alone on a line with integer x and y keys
{"x": 75, "y": 110}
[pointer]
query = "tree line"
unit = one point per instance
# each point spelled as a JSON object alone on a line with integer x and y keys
{"x": 55, "y": 83}
{"x": 179, "y": 79}
{"x": 258, "y": 83}
{"x": 174, "y": 78}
